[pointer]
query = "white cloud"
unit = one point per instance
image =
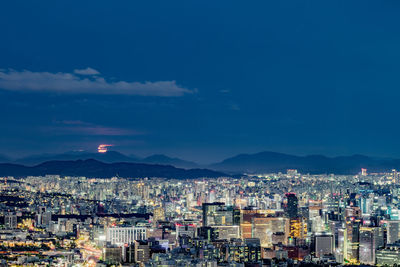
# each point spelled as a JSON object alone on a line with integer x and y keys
{"x": 87, "y": 71}
{"x": 71, "y": 83}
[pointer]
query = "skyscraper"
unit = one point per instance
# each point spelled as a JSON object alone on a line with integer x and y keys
{"x": 371, "y": 238}
{"x": 393, "y": 231}
{"x": 292, "y": 205}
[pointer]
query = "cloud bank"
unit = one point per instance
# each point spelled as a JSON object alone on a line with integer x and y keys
{"x": 86, "y": 81}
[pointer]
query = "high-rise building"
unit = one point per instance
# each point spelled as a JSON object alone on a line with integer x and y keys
{"x": 323, "y": 244}
{"x": 341, "y": 251}
{"x": 43, "y": 217}
{"x": 158, "y": 214}
{"x": 297, "y": 229}
{"x": 142, "y": 251}
{"x": 395, "y": 176}
{"x": 265, "y": 227}
{"x": 371, "y": 238}
{"x": 253, "y": 249}
{"x": 218, "y": 214}
{"x": 247, "y": 217}
{"x": 393, "y": 231}
{"x": 10, "y": 221}
{"x": 353, "y": 238}
{"x": 112, "y": 254}
{"x": 249, "y": 252}
{"x": 292, "y": 205}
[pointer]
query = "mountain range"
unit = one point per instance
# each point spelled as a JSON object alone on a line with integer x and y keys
{"x": 93, "y": 168}
{"x": 263, "y": 162}
{"x": 272, "y": 162}
{"x": 108, "y": 157}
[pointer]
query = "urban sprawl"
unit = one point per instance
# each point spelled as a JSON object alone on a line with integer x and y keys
{"x": 284, "y": 219}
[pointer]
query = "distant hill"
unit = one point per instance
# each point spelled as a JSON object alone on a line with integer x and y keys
{"x": 94, "y": 168}
{"x": 108, "y": 157}
{"x": 269, "y": 162}
{"x": 165, "y": 160}
{"x": 265, "y": 162}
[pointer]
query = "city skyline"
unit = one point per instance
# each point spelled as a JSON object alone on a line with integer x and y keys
{"x": 199, "y": 133}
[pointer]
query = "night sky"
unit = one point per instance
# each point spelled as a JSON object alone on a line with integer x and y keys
{"x": 201, "y": 80}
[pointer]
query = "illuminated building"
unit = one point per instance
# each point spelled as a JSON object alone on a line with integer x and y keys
{"x": 253, "y": 249}
{"x": 297, "y": 228}
{"x": 395, "y": 176}
{"x": 250, "y": 251}
{"x": 142, "y": 251}
{"x": 341, "y": 250}
{"x": 371, "y": 238}
{"x": 112, "y": 254}
{"x": 246, "y": 221}
{"x": 366, "y": 205}
{"x": 227, "y": 231}
{"x": 353, "y": 238}
{"x": 158, "y": 214}
{"x": 10, "y": 221}
{"x": 279, "y": 237}
{"x": 292, "y": 172}
{"x": 388, "y": 256}
{"x": 186, "y": 230}
{"x": 125, "y": 235}
{"x": 352, "y": 213}
{"x": 393, "y": 231}
{"x": 43, "y": 217}
{"x": 363, "y": 172}
{"x": 296, "y": 252}
{"x": 323, "y": 244}
{"x": 189, "y": 200}
{"x": 265, "y": 228}
{"x": 218, "y": 214}
{"x": 211, "y": 196}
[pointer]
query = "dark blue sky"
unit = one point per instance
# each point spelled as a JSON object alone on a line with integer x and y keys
{"x": 200, "y": 79}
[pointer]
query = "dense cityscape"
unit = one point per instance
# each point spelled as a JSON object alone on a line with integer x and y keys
{"x": 199, "y": 133}
{"x": 284, "y": 219}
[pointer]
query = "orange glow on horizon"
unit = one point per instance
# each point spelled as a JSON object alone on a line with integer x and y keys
{"x": 102, "y": 148}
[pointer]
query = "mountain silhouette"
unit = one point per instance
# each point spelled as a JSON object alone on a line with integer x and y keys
{"x": 107, "y": 157}
{"x": 273, "y": 162}
{"x": 96, "y": 169}
{"x": 264, "y": 162}
{"x": 163, "y": 159}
